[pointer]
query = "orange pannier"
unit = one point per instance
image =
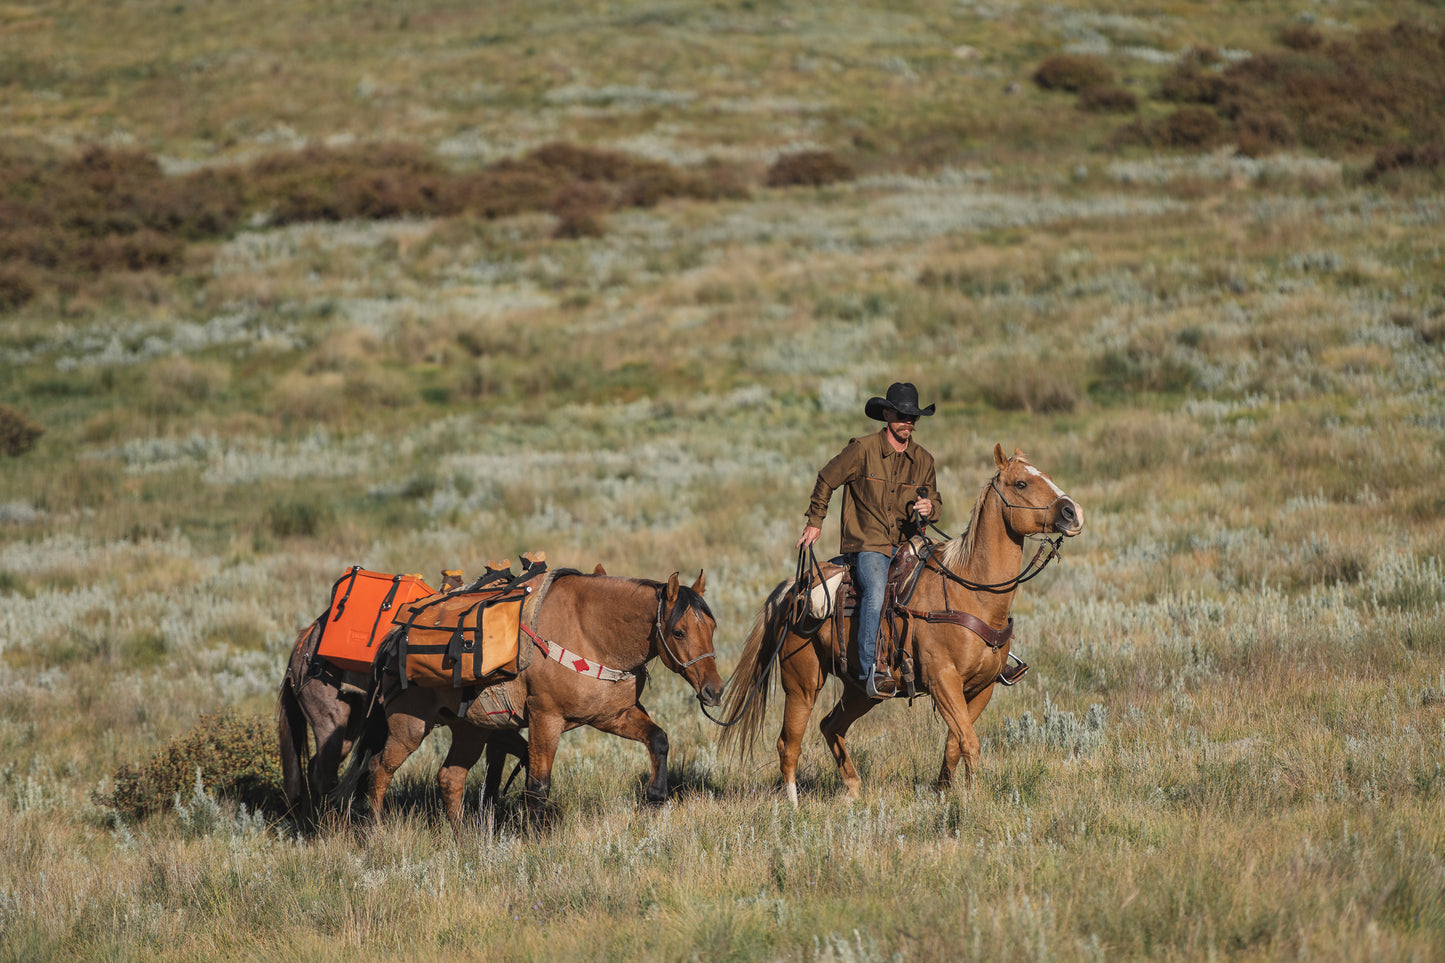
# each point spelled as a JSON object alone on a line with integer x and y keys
{"x": 362, "y": 605}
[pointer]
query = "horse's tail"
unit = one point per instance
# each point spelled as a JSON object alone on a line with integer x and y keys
{"x": 295, "y": 746}
{"x": 746, "y": 700}
{"x": 371, "y": 741}
{"x": 293, "y": 729}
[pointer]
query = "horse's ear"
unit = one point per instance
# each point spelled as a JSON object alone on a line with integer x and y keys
{"x": 1018, "y": 455}
{"x": 599, "y": 570}
{"x": 700, "y": 585}
{"x": 672, "y": 588}
{"x": 998, "y": 458}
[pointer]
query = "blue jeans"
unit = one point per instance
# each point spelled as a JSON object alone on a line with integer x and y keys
{"x": 872, "y": 573}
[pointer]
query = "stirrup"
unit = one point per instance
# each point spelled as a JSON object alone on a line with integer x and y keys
{"x": 1011, "y": 674}
{"x": 877, "y": 678}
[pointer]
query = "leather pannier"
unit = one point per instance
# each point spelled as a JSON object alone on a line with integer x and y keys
{"x": 460, "y": 639}
{"x": 360, "y": 615}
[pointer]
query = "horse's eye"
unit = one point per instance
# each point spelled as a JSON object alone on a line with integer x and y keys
{"x": 679, "y": 634}
{"x": 1021, "y": 485}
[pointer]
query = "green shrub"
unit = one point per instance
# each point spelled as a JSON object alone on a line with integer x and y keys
{"x": 236, "y": 756}
{"x": 1073, "y": 72}
{"x": 811, "y": 168}
{"x": 303, "y": 518}
{"x": 18, "y": 433}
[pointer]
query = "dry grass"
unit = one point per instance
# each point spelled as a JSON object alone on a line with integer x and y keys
{"x": 1230, "y": 742}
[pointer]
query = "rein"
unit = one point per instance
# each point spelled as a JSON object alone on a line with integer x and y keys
{"x": 797, "y": 607}
{"x": 1036, "y": 565}
{"x": 1031, "y": 570}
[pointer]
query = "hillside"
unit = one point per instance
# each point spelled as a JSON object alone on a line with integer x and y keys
{"x": 290, "y": 287}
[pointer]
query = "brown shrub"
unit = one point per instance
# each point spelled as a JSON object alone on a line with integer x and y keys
{"x": 372, "y": 181}
{"x": 811, "y": 168}
{"x": 1108, "y": 100}
{"x": 18, "y": 286}
{"x": 580, "y": 207}
{"x": 18, "y": 433}
{"x": 583, "y": 163}
{"x": 1191, "y": 128}
{"x": 1391, "y": 160}
{"x": 1259, "y": 133}
{"x": 1073, "y": 72}
{"x": 1301, "y": 36}
{"x": 1328, "y": 96}
{"x": 1189, "y": 84}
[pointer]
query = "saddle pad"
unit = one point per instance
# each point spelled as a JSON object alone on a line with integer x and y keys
{"x": 460, "y": 639}
{"x": 359, "y": 615}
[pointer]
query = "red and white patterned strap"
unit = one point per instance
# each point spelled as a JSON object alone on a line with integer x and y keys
{"x": 577, "y": 663}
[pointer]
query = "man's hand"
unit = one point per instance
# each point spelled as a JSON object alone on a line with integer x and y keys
{"x": 924, "y": 507}
{"x": 809, "y": 536}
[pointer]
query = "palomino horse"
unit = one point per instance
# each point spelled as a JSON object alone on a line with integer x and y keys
{"x": 592, "y": 636}
{"x": 319, "y": 701}
{"x": 970, "y": 579}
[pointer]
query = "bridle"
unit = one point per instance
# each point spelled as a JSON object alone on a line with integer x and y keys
{"x": 1037, "y": 564}
{"x": 661, "y": 629}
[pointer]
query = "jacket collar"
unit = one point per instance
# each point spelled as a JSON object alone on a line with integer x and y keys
{"x": 889, "y": 450}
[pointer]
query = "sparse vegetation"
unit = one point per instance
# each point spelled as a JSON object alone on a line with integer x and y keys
{"x": 419, "y": 288}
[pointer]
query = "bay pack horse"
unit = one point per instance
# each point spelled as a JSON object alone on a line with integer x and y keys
{"x": 322, "y": 703}
{"x": 591, "y": 639}
{"x": 958, "y": 623}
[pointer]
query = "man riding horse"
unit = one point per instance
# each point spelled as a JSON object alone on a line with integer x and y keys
{"x": 888, "y": 487}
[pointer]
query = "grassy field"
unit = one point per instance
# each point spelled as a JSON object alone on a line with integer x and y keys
{"x": 290, "y": 287}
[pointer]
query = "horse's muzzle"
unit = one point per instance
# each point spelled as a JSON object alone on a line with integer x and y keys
{"x": 1069, "y": 517}
{"x": 711, "y": 694}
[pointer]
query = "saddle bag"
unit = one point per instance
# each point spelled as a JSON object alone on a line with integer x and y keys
{"x": 460, "y": 639}
{"x": 360, "y": 615}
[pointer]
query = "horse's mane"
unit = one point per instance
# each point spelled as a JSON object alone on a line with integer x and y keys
{"x": 687, "y": 599}
{"x": 959, "y": 549}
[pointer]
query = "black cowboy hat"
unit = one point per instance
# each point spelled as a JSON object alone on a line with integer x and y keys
{"x": 902, "y": 397}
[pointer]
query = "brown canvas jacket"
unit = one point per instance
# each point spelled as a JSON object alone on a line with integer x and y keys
{"x": 879, "y": 484}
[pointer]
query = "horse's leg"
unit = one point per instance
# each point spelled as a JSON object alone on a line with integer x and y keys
{"x": 467, "y": 745}
{"x": 335, "y": 726}
{"x": 501, "y": 743}
{"x": 544, "y": 731}
{"x": 404, "y": 734}
{"x": 852, "y": 705}
{"x": 634, "y": 723}
{"x": 962, "y": 741}
{"x": 803, "y": 677}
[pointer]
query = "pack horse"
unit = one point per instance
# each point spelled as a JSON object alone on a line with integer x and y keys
{"x": 587, "y": 640}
